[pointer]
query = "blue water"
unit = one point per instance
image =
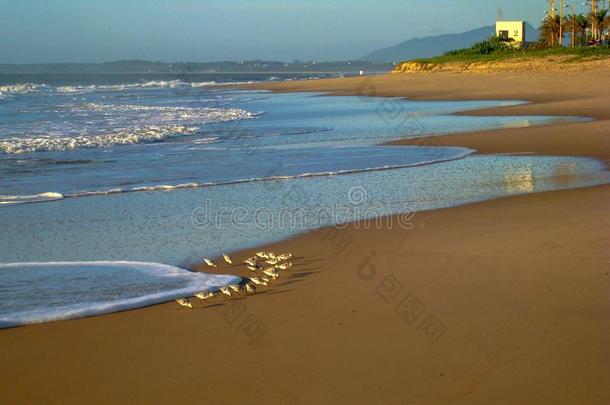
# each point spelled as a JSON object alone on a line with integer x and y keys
{"x": 168, "y": 170}
{"x": 79, "y": 289}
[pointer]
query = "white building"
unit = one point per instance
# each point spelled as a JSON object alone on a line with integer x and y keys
{"x": 513, "y": 31}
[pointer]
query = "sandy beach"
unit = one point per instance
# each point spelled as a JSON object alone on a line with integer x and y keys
{"x": 502, "y": 302}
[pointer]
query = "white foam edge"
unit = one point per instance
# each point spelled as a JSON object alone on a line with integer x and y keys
{"x": 210, "y": 282}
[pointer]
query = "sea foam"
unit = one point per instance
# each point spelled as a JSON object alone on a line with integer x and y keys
{"x": 24, "y": 88}
{"x": 21, "y": 88}
{"x": 23, "y": 199}
{"x": 46, "y": 143}
{"x": 164, "y": 119}
{"x": 41, "y": 292}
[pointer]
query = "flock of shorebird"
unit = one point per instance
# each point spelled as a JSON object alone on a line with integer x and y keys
{"x": 266, "y": 267}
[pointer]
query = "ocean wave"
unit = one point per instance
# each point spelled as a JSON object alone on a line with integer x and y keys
{"x": 24, "y": 88}
{"x": 21, "y": 88}
{"x": 203, "y": 115}
{"x": 120, "y": 128}
{"x": 459, "y": 154}
{"x": 24, "y": 199}
{"x": 47, "y": 143}
{"x": 174, "y": 84}
{"x": 162, "y": 114}
{"x": 52, "y": 291}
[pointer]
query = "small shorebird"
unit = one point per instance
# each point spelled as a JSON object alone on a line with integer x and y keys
{"x": 227, "y": 258}
{"x": 271, "y": 272}
{"x": 284, "y": 256}
{"x": 234, "y": 287}
{"x": 258, "y": 281}
{"x": 209, "y": 262}
{"x": 204, "y": 295}
{"x": 271, "y": 255}
{"x": 272, "y": 261}
{"x": 183, "y": 302}
{"x": 250, "y": 289}
{"x": 225, "y": 291}
{"x": 250, "y": 261}
{"x": 254, "y": 267}
{"x": 262, "y": 255}
{"x": 284, "y": 266}
{"x": 266, "y": 279}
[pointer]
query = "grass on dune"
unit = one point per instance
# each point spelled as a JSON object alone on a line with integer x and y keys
{"x": 500, "y": 54}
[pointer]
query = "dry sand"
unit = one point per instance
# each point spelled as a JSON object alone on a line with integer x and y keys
{"x": 505, "y": 301}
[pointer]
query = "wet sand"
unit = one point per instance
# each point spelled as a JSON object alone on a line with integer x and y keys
{"x": 503, "y": 301}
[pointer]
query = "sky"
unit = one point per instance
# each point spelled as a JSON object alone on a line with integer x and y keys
{"x": 46, "y": 31}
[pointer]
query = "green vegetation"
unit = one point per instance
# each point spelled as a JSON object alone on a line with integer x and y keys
{"x": 494, "y": 45}
{"x": 472, "y": 55}
{"x": 581, "y": 30}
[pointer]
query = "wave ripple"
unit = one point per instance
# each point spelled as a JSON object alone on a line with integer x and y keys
{"x": 25, "y": 88}
{"x": 46, "y": 143}
{"x": 192, "y": 119}
{"x": 42, "y": 292}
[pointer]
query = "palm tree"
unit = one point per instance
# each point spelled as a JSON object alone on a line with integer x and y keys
{"x": 571, "y": 24}
{"x": 550, "y": 30}
{"x": 599, "y": 22}
{"x": 606, "y": 23}
{"x": 581, "y": 28}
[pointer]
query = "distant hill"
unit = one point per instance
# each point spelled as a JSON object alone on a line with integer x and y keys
{"x": 437, "y": 45}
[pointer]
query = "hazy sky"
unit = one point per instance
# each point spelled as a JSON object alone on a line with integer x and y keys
{"x": 212, "y": 30}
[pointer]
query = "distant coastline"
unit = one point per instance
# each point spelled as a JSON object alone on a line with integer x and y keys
{"x": 240, "y": 67}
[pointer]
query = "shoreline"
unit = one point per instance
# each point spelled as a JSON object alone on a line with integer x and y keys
{"x": 550, "y": 102}
{"x": 519, "y": 285}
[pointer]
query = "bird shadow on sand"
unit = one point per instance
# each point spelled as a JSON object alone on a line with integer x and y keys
{"x": 293, "y": 281}
{"x": 305, "y": 273}
{"x": 270, "y": 292}
{"x": 303, "y": 262}
{"x": 217, "y": 304}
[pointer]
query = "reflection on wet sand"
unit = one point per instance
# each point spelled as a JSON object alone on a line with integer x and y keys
{"x": 565, "y": 174}
{"x": 519, "y": 179}
{"x": 518, "y": 124}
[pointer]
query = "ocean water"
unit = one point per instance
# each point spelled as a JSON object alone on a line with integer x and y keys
{"x": 113, "y": 184}
{"x": 107, "y": 287}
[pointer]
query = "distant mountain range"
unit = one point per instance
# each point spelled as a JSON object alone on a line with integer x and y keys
{"x": 437, "y": 45}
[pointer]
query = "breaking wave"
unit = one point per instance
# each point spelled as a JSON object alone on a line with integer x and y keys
{"x": 21, "y": 88}
{"x": 24, "y": 88}
{"x": 47, "y": 143}
{"x": 154, "y": 84}
{"x": 161, "y": 126}
{"x": 52, "y": 291}
{"x": 24, "y": 199}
